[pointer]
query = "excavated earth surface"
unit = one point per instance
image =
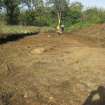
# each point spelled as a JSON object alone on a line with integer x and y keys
{"x": 48, "y": 69}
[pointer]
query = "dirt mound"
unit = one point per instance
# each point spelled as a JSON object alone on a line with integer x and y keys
{"x": 94, "y": 33}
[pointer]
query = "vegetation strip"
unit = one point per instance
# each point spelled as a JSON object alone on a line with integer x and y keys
{"x": 13, "y": 37}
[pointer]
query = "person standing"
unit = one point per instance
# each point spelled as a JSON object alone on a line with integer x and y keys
{"x": 62, "y": 28}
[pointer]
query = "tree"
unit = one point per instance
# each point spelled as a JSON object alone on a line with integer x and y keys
{"x": 33, "y": 4}
{"x": 76, "y": 12}
{"x": 28, "y": 3}
{"x": 12, "y": 10}
{"x": 59, "y": 7}
{"x": 35, "y": 11}
{"x": 39, "y": 8}
{"x": 95, "y": 15}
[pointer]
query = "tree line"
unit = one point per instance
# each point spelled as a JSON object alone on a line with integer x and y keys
{"x": 48, "y": 13}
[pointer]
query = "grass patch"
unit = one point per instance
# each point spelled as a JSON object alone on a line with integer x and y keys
{"x": 47, "y": 29}
{"x": 78, "y": 26}
{"x": 6, "y": 31}
{"x": 17, "y": 29}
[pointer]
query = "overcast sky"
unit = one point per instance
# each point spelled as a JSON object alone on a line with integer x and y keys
{"x": 92, "y": 3}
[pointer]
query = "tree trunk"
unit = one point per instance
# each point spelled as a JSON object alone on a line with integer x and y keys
{"x": 59, "y": 22}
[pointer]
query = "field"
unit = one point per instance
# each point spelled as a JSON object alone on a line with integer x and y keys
{"x": 48, "y": 69}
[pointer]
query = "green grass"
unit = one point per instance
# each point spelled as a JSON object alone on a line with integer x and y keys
{"x": 47, "y": 29}
{"x": 78, "y": 26}
{"x": 75, "y": 27}
{"x": 6, "y": 31}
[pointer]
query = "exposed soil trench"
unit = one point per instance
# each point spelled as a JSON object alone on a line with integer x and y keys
{"x": 47, "y": 69}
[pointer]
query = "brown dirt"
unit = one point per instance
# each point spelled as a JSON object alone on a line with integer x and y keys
{"x": 64, "y": 73}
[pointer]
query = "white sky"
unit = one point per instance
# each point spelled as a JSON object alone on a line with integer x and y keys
{"x": 92, "y": 3}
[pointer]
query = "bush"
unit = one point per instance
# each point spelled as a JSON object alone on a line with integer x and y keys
{"x": 94, "y": 15}
{"x": 73, "y": 14}
{"x": 32, "y": 18}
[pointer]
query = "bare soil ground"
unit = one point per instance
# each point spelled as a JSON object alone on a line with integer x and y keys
{"x": 50, "y": 70}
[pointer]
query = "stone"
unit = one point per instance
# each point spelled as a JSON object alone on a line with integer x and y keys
{"x": 38, "y": 51}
